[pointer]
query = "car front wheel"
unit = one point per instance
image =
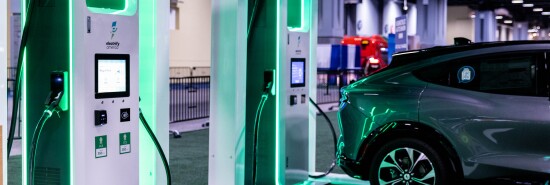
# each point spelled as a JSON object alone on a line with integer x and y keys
{"x": 409, "y": 161}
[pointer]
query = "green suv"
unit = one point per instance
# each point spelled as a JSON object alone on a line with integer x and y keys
{"x": 446, "y": 114}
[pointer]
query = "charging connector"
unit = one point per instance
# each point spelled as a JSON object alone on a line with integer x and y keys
{"x": 55, "y": 102}
{"x": 269, "y": 89}
{"x": 58, "y": 85}
{"x": 269, "y": 82}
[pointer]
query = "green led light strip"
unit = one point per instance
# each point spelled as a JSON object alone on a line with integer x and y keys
{"x": 71, "y": 101}
{"x": 130, "y": 8}
{"x": 277, "y": 99}
{"x": 304, "y": 14}
{"x": 147, "y": 78}
{"x": 23, "y": 108}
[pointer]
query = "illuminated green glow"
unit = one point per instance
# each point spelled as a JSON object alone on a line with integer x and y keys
{"x": 277, "y": 99}
{"x": 23, "y": 108}
{"x": 108, "y": 4}
{"x": 147, "y": 89}
{"x": 130, "y": 7}
{"x": 71, "y": 101}
{"x": 305, "y": 13}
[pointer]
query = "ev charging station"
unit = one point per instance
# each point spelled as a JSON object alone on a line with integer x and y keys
{"x": 284, "y": 40}
{"x": 101, "y": 61}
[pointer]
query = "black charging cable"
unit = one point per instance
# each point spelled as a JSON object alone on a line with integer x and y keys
{"x": 18, "y": 76}
{"x": 265, "y": 96}
{"x": 331, "y": 126}
{"x": 50, "y": 109}
{"x": 159, "y": 148}
{"x": 255, "y": 11}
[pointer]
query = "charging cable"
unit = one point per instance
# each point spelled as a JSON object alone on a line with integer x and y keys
{"x": 255, "y": 12}
{"x": 18, "y": 75}
{"x": 331, "y": 126}
{"x": 50, "y": 109}
{"x": 265, "y": 95}
{"x": 159, "y": 148}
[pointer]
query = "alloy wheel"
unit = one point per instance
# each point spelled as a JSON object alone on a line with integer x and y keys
{"x": 406, "y": 166}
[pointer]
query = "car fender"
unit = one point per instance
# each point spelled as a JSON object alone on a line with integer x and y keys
{"x": 397, "y": 129}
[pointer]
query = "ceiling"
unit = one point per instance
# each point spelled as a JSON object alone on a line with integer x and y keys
{"x": 517, "y": 11}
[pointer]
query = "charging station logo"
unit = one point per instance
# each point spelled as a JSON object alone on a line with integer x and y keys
{"x": 111, "y": 44}
{"x": 113, "y": 30}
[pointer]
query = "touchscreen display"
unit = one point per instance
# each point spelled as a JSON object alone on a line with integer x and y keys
{"x": 111, "y": 76}
{"x": 298, "y": 72}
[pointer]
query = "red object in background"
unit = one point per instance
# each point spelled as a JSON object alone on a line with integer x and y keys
{"x": 374, "y": 50}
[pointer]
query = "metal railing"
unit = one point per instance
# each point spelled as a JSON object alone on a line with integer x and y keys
{"x": 189, "y": 98}
{"x": 329, "y": 83}
{"x": 11, "y": 85}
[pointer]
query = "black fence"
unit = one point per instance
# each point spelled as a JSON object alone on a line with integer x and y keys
{"x": 189, "y": 98}
{"x": 11, "y": 79}
{"x": 329, "y": 83}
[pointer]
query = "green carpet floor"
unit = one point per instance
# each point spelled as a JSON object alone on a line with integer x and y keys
{"x": 189, "y": 155}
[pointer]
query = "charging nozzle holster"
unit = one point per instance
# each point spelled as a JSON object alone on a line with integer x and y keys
{"x": 269, "y": 82}
{"x": 59, "y": 86}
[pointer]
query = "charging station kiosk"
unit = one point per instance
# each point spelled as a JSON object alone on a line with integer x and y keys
{"x": 281, "y": 40}
{"x": 284, "y": 40}
{"x": 105, "y": 52}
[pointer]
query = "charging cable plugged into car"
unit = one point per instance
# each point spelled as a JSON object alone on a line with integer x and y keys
{"x": 334, "y": 138}
{"x": 269, "y": 90}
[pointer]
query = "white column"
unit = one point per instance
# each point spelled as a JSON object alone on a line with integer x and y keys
{"x": 228, "y": 93}
{"x": 154, "y": 81}
{"x": 313, "y": 86}
{"x": 391, "y": 11}
{"x": 368, "y": 18}
{"x": 432, "y": 22}
{"x": 520, "y": 30}
{"x": 485, "y": 26}
{"x": 162, "y": 85}
{"x": 3, "y": 85}
{"x": 331, "y": 21}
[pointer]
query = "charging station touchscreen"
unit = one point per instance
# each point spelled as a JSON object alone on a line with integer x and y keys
{"x": 298, "y": 72}
{"x": 112, "y": 76}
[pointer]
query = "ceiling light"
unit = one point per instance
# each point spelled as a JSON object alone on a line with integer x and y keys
{"x": 545, "y": 13}
{"x": 537, "y": 9}
{"x": 528, "y": 5}
{"x": 508, "y": 21}
{"x": 498, "y": 17}
{"x": 473, "y": 16}
{"x": 517, "y": 1}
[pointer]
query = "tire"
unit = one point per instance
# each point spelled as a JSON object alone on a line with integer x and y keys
{"x": 431, "y": 168}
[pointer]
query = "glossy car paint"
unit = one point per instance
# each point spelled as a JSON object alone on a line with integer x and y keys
{"x": 493, "y": 135}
